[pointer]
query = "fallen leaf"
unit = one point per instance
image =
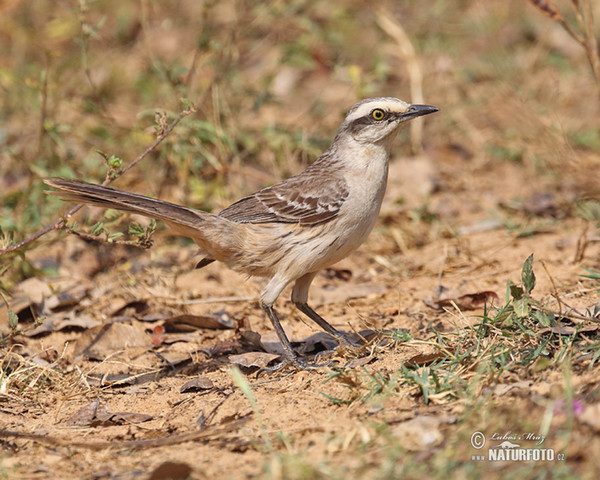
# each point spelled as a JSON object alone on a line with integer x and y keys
{"x": 70, "y": 294}
{"x": 55, "y": 323}
{"x": 318, "y": 342}
{"x": 251, "y": 339}
{"x": 564, "y": 329}
{"x": 174, "y": 358}
{"x": 22, "y": 306}
{"x": 119, "y": 418}
{"x": 271, "y": 344}
{"x": 104, "y": 340}
{"x": 86, "y": 415}
{"x": 470, "y": 301}
{"x": 96, "y": 415}
{"x": 34, "y": 289}
{"x": 131, "y": 309}
{"x": 253, "y": 359}
{"x": 422, "y": 359}
{"x": 196, "y": 384}
{"x": 120, "y": 379}
{"x": 360, "y": 362}
{"x": 188, "y": 322}
{"x": 507, "y": 387}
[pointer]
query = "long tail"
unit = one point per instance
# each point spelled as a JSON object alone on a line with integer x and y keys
{"x": 182, "y": 219}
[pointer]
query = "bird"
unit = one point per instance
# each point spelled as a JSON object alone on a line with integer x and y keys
{"x": 289, "y": 231}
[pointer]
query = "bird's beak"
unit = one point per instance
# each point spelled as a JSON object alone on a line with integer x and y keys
{"x": 417, "y": 111}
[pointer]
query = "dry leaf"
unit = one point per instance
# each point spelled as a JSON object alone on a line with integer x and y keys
{"x": 86, "y": 415}
{"x": 565, "y": 329}
{"x": 96, "y": 415}
{"x": 360, "y": 362}
{"x": 120, "y": 379}
{"x": 422, "y": 359}
{"x": 196, "y": 384}
{"x": 253, "y": 359}
{"x": 34, "y": 289}
{"x": 131, "y": 309}
{"x": 56, "y": 323}
{"x": 270, "y": 341}
{"x": 470, "y": 301}
{"x": 318, "y": 342}
{"x": 104, "y": 340}
{"x": 188, "y": 322}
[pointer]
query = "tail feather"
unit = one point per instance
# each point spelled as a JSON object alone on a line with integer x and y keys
{"x": 84, "y": 192}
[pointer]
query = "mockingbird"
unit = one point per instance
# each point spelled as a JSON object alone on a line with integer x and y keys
{"x": 289, "y": 231}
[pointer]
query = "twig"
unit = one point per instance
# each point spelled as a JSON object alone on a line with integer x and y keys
{"x": 582, "y": 244}
{"x": 205, "y": 434}
{"x": 98, "y": 238}
{"x": 585, "y": 20}
{"x": 591, "y": 46}
{"x": 408, "y": 54}
{"x": 554, "y": 289}
{"x": 57, "y": 225}
{"x": 550, "y": 10}
{"x": 43, "y": 109}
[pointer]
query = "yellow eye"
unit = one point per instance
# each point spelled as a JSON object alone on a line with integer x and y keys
{"x": 378, "y": 114}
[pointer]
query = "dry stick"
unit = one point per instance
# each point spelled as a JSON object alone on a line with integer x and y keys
{"x": 408, "y": 54}
{"x": 590, "y": 40}
{"x": 556, "y": 296}
{"x": 584, "y": 17}
{"x": 163, "y": 133}
{"x": 44, "y": 107}
{"x": 550, "y": 10}
{"x": 212, "y": 432}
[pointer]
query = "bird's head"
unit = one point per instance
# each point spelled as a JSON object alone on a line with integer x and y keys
{"x": 378, "y": 119}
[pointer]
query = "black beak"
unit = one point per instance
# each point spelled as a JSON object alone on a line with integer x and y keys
{"x": 417, "y": 111}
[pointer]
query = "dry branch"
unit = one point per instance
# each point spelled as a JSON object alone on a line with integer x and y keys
{"x": 585, "y": 21}
{"x": 407, "y": 53}
{"x": 163, "y": 132}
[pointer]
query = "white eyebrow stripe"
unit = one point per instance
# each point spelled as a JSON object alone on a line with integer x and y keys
{"x": 387, "y": 104}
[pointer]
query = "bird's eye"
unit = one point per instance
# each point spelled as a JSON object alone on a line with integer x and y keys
{"x": 377, "y": 114}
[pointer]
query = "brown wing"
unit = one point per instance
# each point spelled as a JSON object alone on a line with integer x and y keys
{"x": 304, "y": 199}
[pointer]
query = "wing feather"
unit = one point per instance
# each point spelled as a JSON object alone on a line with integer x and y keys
{"x": 306, "y": 200}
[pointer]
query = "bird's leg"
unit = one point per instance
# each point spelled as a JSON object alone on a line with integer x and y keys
{"x": 315, "y": 317}
{"x": 288, "y": 352}
{"x": 300, "y": 297}
{"x": 285, "y": 343}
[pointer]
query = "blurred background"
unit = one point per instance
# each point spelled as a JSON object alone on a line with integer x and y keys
{"x": 82, "y": 81}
